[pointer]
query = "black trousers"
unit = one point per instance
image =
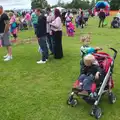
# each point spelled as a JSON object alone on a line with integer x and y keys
{"x": 101, "y": 22}
{"x": 57, "y": 40}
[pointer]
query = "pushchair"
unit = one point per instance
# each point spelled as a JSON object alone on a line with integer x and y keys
{"x": 115, "y": 23}
{"x": 106, "y": 62}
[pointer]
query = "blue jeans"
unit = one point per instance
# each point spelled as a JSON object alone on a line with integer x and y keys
{"x": 50, "y": 42}
{"x": 87, "y": 81}
{"x": 35, "y": 27}
{"x": 44, "y": 49}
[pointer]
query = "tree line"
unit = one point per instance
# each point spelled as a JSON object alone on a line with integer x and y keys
{"x": 84, "y": 4}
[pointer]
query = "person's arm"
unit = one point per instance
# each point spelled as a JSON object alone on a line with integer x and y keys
{"x": 99, "y": 71}
{"x": 91, "y": 50}
{"x": 38, "y": 28}
{"x": 97, "y": 75}
{"x": 49, "y": 19}
{"x": 98, "y": 48}
{"x": 24, "y": 17}
{"x": 56, "y": 23}
{"x": 32, "y": 17}
{"x": 6, "y": 26}
{"x": 83, "y": 68}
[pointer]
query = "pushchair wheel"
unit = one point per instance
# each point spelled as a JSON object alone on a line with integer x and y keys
{"x": 98, "y": 113}
{"x": 73, "y": 102}
{"x": 92, "y": 112}
{"x": 112, "y": 98}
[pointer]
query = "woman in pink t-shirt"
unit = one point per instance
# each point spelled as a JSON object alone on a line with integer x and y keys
{"x": 28, "y": 19}
{"x": 56, "y": 27}
{"x": 13, "y": 26}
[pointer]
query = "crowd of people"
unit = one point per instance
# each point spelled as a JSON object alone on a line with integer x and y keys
{"x": 47, "y": 28}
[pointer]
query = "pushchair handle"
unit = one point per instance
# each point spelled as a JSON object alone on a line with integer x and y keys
{"x": 115, "y": 52}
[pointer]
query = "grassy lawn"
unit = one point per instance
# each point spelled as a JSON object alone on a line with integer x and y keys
{"x": 39, "y": 92}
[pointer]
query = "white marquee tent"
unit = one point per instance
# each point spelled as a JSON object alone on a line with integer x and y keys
{"x": 60, "y": 8}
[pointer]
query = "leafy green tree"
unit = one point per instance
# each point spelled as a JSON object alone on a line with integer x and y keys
{"x": 92, "y": 4}
{"x": 39, "y": 4}
{"x": 115, "y": 4}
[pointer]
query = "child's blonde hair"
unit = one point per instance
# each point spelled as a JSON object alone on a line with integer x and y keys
{"x": 85, "y": 38}
{"x": 10, "y": 14}
{"x": 89, "y": 58}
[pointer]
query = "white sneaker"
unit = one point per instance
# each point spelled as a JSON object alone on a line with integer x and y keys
{"x": 8, "y": 58}
{"x": 41, "y": 62}
{"x": 5, "y": 56}
{"x": 46, "y": 60}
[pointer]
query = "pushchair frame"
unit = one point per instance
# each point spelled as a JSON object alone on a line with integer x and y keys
{"x": 96, "y": 111}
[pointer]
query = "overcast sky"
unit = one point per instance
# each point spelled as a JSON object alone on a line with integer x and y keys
{"x": 20, "y": 4}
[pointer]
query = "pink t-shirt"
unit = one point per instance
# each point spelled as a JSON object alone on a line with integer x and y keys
{"x": 12, "y": 20}
{"x": 28, "y": 17}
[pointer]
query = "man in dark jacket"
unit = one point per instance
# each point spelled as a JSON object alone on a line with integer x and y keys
{"x": 102, "y": 17}
{"x": 42, "y": 36}
{"x": 4, "y": 34}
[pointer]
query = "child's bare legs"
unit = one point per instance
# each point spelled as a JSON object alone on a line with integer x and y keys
{"x": 9, "y": 50}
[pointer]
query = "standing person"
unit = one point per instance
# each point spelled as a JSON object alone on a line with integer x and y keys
{"x": 118, "y": 15}
{"x": 34, "y": 19}
{"x": 42, "y": 37}
{"x": 77, "y": 20}
{"x": 56, "y": 27}
{"x": 86, "y": 17}
{"x": 13, "y": 26}
{"x": 81, "y": 21}
{"x": 18, "y": 22}
{"x": 28, "y": 19}
{"x": 68, "y": 18}
{"x": 4, "y": 34}
{"x": 102, "y": 17}
{"x": 50, "y": 18}
{"x": 63, "y": 17}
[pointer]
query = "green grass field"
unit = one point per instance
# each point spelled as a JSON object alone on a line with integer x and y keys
{"x": 29, "y": 91}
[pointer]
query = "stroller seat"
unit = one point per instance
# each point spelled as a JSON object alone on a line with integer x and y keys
{"x": 104, "y": 61}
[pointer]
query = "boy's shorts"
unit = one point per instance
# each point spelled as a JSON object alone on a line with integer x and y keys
{"x": 5, "y": 39}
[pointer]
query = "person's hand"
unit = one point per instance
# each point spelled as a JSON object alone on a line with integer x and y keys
{"x": 50, "y": 32}
{"x": 50, "y": 23}
{"x": 98, "y": 48}
{"x": 38, "y": 38}
{"x": 97, "y": 75}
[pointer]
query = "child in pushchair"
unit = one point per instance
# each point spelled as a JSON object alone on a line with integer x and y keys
{"x": 90, "y": 87}
{"x": 90, "y": 71}
{"x": 86, "y": 48}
